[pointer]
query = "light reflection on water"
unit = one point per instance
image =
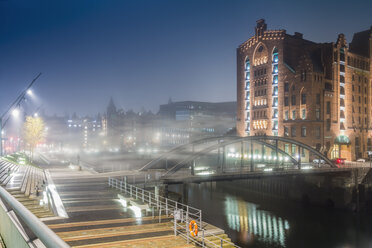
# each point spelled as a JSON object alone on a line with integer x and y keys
{"x": 245, "y": 218}
{"x": 256, "y": 221}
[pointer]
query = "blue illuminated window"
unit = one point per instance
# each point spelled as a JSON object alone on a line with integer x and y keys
{"x": 275, "y": 69}
{"x": 275, "y": 102}
{"x": 275, "y": 79}
{"x": 275, "y": 91}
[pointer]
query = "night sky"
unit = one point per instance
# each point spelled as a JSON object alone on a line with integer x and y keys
{"x": 143, "y": 52}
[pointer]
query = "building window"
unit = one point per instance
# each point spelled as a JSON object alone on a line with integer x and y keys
{"x": 286, "y": 117}
{"x": 328, "y": 108}
{"x": 293, "y": 114}
{"x": 317, "y": 114}
{"x": 328, "y": 125}
{"x": 293, "y": 131}
{"x": 275, "y": 91}
{"x": 303, "y": 131}
{"x": 342, "y": 79}
{"x": 342, "y": 90}
{"x": 317, "y": 132}
{"x": 317, "y": 98}
{"x": 286, "y": 148}
{"x": 293, "y": 102}
{"x": 303, "y": 75}
{"x": 303, "y": 98}
{"x": 293, "y": 149}
{"x": 286, "y": 87}
{"x": 275, "y": 102}
{"x": 286, "y": 101}
{"x": 303, "y": 115}
{"x": 286, "y": 132}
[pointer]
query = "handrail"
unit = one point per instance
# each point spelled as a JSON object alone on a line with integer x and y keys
{"x": 42, "y": 231}
{"x": 186, "y": 213}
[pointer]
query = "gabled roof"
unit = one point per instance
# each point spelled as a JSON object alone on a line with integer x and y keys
{"x": 360, "y": 43}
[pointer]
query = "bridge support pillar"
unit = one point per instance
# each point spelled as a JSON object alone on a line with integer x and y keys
{"x": 242, "y": 155}
{"x": 223, "y": 158}
{"x": 218, "y": 155}
{"x": 166, "y": 191}
{"x": 252, "y": 169}
{"x": 185, "y": 195}
{"x": 276, "y": 153}
{"x": 299, "y": 157}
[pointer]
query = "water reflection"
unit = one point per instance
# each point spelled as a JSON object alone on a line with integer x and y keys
{"x": 246, "y": 218}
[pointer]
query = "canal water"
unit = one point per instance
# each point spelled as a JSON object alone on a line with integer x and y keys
{"x": 256, "y": 221}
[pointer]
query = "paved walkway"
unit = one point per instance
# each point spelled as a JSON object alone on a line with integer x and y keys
{"x": 96, "y": 218}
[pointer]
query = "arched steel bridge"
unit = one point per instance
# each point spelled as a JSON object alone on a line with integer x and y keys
{"x": 231, "y": 153}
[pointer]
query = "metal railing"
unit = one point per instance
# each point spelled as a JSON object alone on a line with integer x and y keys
{"x": 181, "y": 212}
{"x": 46, "y": 235}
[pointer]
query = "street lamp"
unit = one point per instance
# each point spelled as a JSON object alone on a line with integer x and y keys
{"x": 14, "y": 108}
{"x": 15, "y": 112}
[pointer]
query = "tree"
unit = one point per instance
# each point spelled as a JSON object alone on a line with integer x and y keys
{"x": 33, "y": 132}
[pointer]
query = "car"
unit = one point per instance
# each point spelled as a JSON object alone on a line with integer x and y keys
{"x": 339, "y": 161}
{"x": 317, "y": 161}
{"x": 361, "y": 160}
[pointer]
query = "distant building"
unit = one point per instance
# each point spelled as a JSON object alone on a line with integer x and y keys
{"x": 317, "y": 93}
{"x": 182, "y": 122}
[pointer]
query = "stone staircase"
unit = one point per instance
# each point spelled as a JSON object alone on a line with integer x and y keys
{"x": 215, "y": 241}
{"x": 127, "y": 232}
{"x": 25, "y": 183}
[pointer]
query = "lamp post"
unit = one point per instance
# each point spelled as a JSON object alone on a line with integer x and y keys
{"x": 17, "y": 102}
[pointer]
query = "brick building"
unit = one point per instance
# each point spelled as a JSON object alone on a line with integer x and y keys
{"x": 317, "y": 93}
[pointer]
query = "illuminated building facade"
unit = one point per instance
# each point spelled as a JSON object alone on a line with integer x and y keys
{"x": 316, "y": 93}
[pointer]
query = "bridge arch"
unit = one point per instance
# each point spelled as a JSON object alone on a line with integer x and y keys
{"x": 187, "y": 155}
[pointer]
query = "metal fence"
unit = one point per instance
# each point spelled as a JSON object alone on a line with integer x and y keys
{"x": 182, "y": 213}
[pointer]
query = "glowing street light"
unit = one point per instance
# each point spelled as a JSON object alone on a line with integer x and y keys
{"x": 15, "y": 112}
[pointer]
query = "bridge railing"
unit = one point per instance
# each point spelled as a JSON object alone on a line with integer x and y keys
{"x": 155, "y": 200}
{"x": 181, "y": 212}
